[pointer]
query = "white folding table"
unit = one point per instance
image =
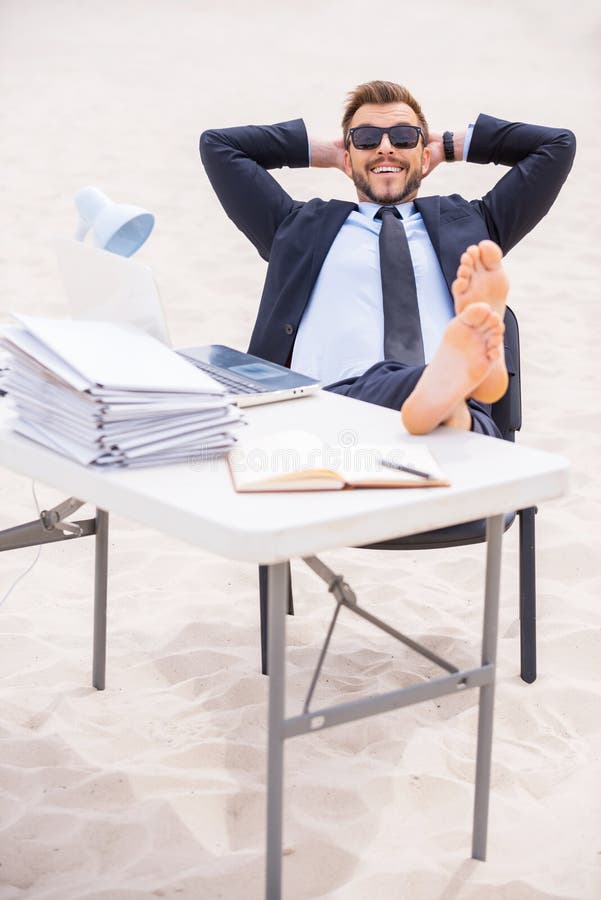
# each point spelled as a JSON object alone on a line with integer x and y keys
{"x": 197, "y": 503}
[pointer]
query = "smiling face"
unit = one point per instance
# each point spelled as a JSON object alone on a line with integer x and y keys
{"x": 386, "y": 175}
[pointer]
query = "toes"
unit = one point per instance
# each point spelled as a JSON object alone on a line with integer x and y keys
{"x": 486, "y": 253}
{"x": 493, "y": 337}
{"x": 490, "y": 254}
{"x": 495, "y": 325}
{"x": 460, "y": 285}
{"x": 464, "y": 271}
{"x": 493, "y": 342}
{"x": 484, "y": 318}
{"x": 473, "y": 252}
{"x": 477, "y": 315}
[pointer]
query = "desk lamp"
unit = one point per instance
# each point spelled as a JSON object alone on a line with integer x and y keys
{"x": 116, "y": 227}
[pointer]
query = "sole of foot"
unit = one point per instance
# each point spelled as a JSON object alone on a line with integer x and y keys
{"x": 470, "y": 347}
{"x": 481, "y": 278}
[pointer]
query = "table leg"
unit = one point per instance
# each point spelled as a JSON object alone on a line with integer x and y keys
{"x": 277, "y": 598}
{"x": 100, "y": 591}
{"x": 494, "y": 535}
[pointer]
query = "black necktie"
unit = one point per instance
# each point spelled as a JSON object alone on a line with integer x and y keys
{"x": 402, "y": 329}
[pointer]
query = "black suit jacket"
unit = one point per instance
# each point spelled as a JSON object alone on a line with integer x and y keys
{"x": 295, "y": 237}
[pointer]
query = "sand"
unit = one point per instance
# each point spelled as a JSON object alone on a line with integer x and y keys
{"x": 155, "y": 787}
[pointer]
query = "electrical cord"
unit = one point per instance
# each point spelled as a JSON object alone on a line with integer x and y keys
{"x": 32, "y": 564}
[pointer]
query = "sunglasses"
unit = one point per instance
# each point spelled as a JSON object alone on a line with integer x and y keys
{"x": 368, "y": 137}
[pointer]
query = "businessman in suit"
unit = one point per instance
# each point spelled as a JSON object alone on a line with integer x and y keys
{"x": 329, "y": 306}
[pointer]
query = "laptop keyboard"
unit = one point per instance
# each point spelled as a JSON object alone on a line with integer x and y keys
{"x": 233, "y": 383}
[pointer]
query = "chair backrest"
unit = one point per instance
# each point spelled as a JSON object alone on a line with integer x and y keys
{"x": 507, "y": 412}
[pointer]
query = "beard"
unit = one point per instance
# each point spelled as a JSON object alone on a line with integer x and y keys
{"x": 388, "y": 197}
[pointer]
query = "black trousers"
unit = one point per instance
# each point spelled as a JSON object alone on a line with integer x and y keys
{"x": 389, "y": 383}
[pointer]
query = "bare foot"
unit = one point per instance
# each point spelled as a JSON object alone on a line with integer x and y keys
{"x": 470, "y": 346}
{"x": 481, "y": 279}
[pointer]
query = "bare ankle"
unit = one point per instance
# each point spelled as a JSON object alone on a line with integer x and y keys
{"x": 460, "y": 418}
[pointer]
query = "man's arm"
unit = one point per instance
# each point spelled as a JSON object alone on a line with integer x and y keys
{"x": 326, "y": 154}
{"x": 236, "y": 161}
{"x": 540, "y": 160}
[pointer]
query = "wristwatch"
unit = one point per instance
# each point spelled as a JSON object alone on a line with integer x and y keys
{"x": 449, "y": 146}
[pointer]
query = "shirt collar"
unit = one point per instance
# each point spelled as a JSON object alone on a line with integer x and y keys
{"x": 370, "y": 209}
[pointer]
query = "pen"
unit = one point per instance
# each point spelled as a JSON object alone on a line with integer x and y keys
{"x": 394, "y": 465}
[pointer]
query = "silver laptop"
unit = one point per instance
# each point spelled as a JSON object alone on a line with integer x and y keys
{"x": 101, "y": 286}
{"x": 249, "y": 379}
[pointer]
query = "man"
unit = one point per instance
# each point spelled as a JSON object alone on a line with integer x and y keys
{"x": 347, "y": 281}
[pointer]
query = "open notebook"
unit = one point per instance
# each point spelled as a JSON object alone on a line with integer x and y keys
{"x": 296, "y": 460}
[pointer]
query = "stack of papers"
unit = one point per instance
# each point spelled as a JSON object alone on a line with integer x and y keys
{"x": 106, "y": 395}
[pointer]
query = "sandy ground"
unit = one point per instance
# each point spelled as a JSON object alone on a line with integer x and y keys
{"x": 155, "y": 788}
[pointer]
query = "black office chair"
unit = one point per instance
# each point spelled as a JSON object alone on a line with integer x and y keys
{"x": 507, "y": 414}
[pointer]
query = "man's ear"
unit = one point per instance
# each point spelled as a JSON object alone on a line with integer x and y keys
{"x": 425, "y": 161}
{"x": 348, "y": 169}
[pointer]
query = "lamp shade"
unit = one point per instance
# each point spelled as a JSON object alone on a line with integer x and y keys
{"x": 116, "y": 227}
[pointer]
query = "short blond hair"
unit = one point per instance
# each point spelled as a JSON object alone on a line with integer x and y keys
{"x": 379, "y": 92}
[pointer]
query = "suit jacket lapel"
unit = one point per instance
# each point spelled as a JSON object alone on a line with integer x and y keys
{"x": 429, "y": 207}
{"x": 450, "y": 241}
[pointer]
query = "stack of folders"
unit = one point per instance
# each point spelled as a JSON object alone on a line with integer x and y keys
{"x": 106, "y": 395}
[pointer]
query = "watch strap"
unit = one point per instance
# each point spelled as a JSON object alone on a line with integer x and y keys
{"x": 449, "y": 146}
